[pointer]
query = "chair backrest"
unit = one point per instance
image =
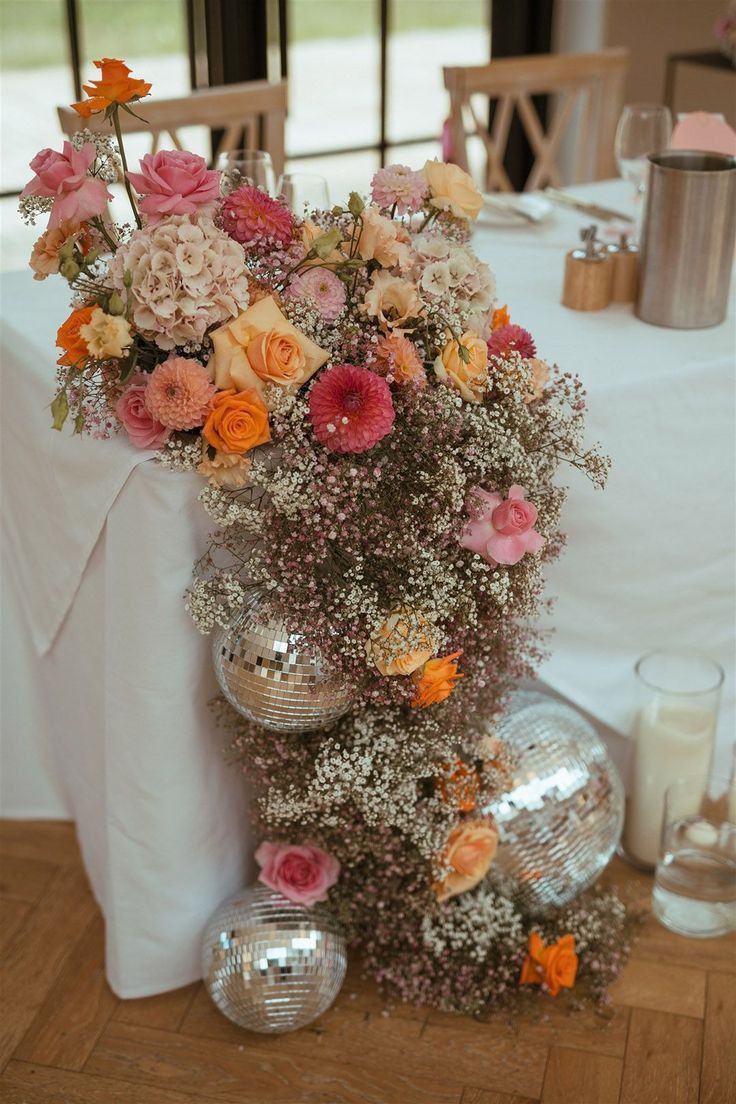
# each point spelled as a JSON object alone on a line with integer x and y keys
{"x": 594, "y": 83}
{"x": 250, "y": 115}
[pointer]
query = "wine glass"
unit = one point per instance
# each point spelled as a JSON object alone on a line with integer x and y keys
{"x": 241, "y": 167}
{"x": 642, "y": 129}
{"x": 304, "y": 191}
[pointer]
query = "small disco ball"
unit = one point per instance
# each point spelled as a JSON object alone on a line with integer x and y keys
{"x": 271, "y": 677}
{"x": 269, "y": 965}
{"x": 560, "y": 819}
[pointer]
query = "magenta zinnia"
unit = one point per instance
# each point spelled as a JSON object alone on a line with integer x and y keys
{"x": 249, "y": 215}
{"x": 350, "y": 408}
{"x": 511, "y": 339}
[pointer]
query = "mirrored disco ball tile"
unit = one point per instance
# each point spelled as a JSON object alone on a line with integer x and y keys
{"x": 560, "y": 820}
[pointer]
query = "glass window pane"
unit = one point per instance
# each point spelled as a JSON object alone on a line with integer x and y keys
{"x": 334, "y": 60}
{"x": 36, "y": 76}
{"x": 425, "y": 35}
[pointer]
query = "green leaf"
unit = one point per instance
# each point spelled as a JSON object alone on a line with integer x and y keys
{"x": 325, "y": 243}
{"x": 464, "y": 354}
{"x": 355, "y": 204}
{"x": 79, "y": 423}
{"x": 60, "y": 410}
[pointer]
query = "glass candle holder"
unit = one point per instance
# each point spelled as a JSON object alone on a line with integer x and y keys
{"x": 695, "y": 881}
{"x": 673, "y": 738}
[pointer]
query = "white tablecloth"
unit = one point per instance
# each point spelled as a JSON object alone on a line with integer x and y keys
{"x": 106, "y": 680}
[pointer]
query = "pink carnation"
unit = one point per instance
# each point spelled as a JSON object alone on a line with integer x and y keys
{"x": 249, "y": 215}
{"x": 144, "y": 431}
{"x": 63, "y": 178}
{"x": 302, "y": 872}
{"x": 175, "y": 182}
{"x": 323, "y": 288}
{"x": 179, "y": 393}
{"x": 400, "y": 185}
{"x": 350, "y": 408}
{"x": 501, "y": 531}
{"x": 511, "y": 339}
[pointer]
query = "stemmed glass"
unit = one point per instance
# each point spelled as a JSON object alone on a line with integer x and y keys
{"x": 304, "y": 191}
{"x": 642, "y": 129}
{"x": 242, "y": 167}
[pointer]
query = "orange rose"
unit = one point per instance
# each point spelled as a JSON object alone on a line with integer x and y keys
{"x": 470, "y": 850}
{"x": 69, "y": 338}
{"x": 276, "y": 358}
{"x": 501, "y": 317}
{"x": 403, "y": 643}
{"x": 114, "y": 87}
{"x": 459, "y": 784}
{"x": 437, "y": 681}
{"x": 237, "y": 421}
{"x": 468, "y": 376}
{"x": 555, "y": 966}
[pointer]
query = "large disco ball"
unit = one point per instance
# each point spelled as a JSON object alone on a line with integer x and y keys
{"x": 560, "y": 818}
{"x": 271, "y": 676}
{"x": 269, "y": 965}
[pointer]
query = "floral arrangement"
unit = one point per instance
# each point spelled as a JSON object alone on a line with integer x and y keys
{"x": 379, "y": 443}
{"x": 725, "y": 32}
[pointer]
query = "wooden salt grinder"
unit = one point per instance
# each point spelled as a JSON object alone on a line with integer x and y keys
{"x": 625, "y": 270}
{"x": 588, "y": 275}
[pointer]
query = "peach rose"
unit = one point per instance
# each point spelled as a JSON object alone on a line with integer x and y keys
{"x": 540, "y": 378}
{"x": 381, "y": 239}
{"x": 237, "y": 421}
{"x": 471, "y": 848}
{"x": 402, "y": 644}
{"x": 555, "y": 966}
{"x": 452, "y": 189}
{"x": 392, "y": 301}
{"x": 225, "y": 469}
{"x": 249, "y": 353}
{"x": 470, "y": 376}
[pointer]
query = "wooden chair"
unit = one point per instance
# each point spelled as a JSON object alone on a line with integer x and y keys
{"x": 592, "y": 82}
{"x": 251, "y": 116}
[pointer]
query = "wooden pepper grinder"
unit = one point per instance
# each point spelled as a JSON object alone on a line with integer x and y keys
{"x": 625, "y": 270}
{"x": 588, "y": 275}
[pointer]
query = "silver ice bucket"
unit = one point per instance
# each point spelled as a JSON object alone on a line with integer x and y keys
{"x": 687, "y": 245}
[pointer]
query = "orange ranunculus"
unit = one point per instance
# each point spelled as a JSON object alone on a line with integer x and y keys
{"x": 437, "y": 681}
{"x": 69, "y": 338}
{"x": 458, "y": 784}
{"x": 115, "y": 86}
{"x": 501, "y": 317}
{"x": 237, "y": 421}
{"x": 470, "y": 850}
{"x": 555, "y": 966}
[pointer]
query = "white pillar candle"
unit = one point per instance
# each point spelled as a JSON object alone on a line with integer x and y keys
{"x": 672, "y": 742}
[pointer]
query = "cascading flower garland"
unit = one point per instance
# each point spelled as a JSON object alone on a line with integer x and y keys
{"x": 379, "y": 443}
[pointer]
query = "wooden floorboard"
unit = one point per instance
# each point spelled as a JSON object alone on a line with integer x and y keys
{"x": 66, "y": 1039}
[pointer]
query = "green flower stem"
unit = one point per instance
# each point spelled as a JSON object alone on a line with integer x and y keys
{"x": 121, "y": 148}
{"x": 99, "y": 224}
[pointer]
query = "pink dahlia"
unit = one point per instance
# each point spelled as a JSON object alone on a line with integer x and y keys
{"x": 400, "y": 185}
{"x": 179, "y": 393}
{"x": 323, "y": 288}
{"x": 511, "y": 339}
{"x": 249, "y": 215}
{"x": 350, "y": 408}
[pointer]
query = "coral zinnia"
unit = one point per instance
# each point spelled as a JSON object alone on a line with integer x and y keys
{"x": 179, "y": 393}
{"x": 350, "y": 408}
{"x": 437, "y": 681}
{"x": 249, "y": 215}
{"x": 511, "y": 339}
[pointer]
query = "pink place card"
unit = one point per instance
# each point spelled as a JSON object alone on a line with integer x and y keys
{"x": 702, "y": 131}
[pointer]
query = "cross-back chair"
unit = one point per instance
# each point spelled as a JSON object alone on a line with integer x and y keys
{"x": 594, "y": 83}
{"x": 250, "y": 116}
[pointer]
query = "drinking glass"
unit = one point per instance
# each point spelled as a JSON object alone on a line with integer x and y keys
{"x": 642, "y": 129}
{"x": 241, "y": 167}
{"x": 304, "y": 191}
{"x": 673, "y": 737}
{"x": 695, "y": 881}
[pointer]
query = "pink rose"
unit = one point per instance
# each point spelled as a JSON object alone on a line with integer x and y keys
{"x": 503, "y": 530}
{"x": 144, "y": 431}
{"x": 302, "y": 872}
{"x": 175, "y": 182}
{"x": 63, "y": 178}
